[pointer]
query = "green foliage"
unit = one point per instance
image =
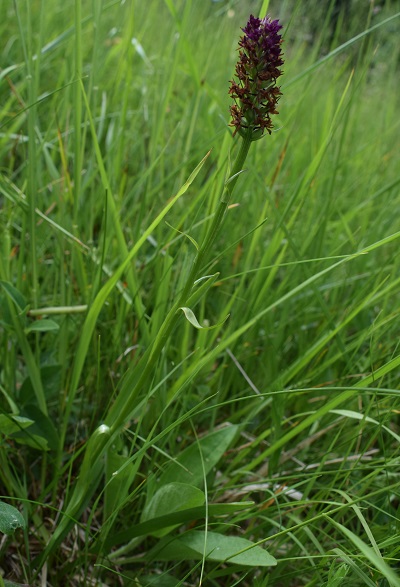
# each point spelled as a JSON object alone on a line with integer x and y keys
{"x": 10, "y": 518}
{"x": 198, "y": 459}
{"x": 151, "y": 440}
{"x": 172, "y": 497}
{"x": 213, "y": 547}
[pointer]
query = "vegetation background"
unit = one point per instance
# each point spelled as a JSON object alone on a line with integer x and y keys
{"x": 263, "y": 451}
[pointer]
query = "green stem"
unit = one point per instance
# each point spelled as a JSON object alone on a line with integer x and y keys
{"x": 77, "y": 108}
{"x": 118, "y": 414}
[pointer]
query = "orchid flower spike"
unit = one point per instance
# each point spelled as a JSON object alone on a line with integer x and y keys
{"x": 255, "y": 92}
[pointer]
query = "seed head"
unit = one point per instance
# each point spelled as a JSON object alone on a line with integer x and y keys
{"x": 255, "y": 92}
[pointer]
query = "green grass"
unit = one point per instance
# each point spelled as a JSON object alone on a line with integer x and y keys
{"x": 141, "y": 450}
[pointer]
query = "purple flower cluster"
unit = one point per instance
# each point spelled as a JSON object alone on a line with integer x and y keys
{"x": 256, "y": 93}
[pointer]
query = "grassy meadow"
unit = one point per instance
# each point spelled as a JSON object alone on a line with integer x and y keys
{"x": 179, "y": 410}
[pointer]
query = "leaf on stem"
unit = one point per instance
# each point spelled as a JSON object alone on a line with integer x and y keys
{"x": 189, "y": 315}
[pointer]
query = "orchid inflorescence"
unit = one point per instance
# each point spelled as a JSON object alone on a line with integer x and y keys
{"x": 256, "y": 93}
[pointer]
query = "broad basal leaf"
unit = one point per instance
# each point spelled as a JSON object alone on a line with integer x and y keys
{"x": 173, "y": 519}
{"x": 173, "y": 497}
{"x": 10, "y": 423}
{"x": 10, "y": 518}
{"x": 214, "y": 547}
{"x": 199, "y": 458}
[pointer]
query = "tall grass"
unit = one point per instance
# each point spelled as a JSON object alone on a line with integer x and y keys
{"x": 261, "y": 451}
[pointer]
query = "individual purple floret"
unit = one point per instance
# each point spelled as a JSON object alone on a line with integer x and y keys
{"x": 256, "y": 93}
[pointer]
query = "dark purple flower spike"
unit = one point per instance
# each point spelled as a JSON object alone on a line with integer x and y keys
{"x": 256, "y": 93}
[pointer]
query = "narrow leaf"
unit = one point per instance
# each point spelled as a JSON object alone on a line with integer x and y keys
{"x": 192, "y": 240}
{"x": 198, "y": 292}
{"x": 358, "y": 416}
{"x": 370, "y": 554}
